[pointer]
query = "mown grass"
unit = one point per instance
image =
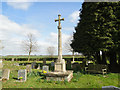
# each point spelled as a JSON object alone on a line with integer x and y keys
{"x": 79, "y": 80}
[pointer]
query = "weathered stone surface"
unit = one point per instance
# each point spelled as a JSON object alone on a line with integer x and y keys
{"x": 59, "y": 76}
{"x": 33, "y": 65}
{"x": 60, "y": 73}
{"x": 12, "y": 59}
{"x": 68, "y": 64}
{"x": 22, "y": 73}
{"x": 28, "y": 68}
{"x": 46, "y": 68}
{"x": 52, "y": 64}
{"x": 73, "y": 60}
{"x": 5, "y": 74}
{"x": 44, "y": 61}
{"x": 60, "y": 66}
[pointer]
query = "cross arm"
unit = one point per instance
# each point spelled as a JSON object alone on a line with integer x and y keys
{"x": 62, "y": 19}
{"x": 56, "y": 20}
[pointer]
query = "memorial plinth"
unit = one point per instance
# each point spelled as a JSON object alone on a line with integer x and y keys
{"x": 60, "y": 73}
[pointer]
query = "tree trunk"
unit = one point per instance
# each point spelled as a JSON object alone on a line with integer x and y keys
{"x": 119, "y": 58}
{"x": 29, "y": 56}
{"x": 98, "y": 58}
{"x": 104, "y": 57}
{"x": 113, "y": 61}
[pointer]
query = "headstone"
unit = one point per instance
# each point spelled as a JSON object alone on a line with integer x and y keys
{"x": 52, "y": 64}
{"x": 69, "y": 64}
{"x": 75, "y": 66}
{"x": 69, "y": 61}
{"x": 33, "y": 65}
{"x": 73, "y": 60}
{"x": 46, "y": 68}
{"x": 28, "y": 68}
{"x": 5, "y": 74}
{"x": 12, "y": 59}
{"x": 44, "y": 61}
{"x": 22, "y": 73}
{"x": 16, "y": 64}
{"x": 38, "y": 66}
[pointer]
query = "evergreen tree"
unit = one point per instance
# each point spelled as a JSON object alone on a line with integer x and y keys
{"x": 99, "y": 30}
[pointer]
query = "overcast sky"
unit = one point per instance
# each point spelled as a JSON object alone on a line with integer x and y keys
{"x": 17, "y": 19}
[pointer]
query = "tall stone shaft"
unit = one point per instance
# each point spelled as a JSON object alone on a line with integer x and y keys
{"x": 59, "y": 38}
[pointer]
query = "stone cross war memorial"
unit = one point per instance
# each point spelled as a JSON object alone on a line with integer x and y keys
{"x": 60, "y": 73}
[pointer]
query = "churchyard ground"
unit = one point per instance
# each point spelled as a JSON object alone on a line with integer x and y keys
{"x": 80, "y": 79}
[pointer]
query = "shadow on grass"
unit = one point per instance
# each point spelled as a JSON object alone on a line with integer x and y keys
{"x": 15, "y": 78}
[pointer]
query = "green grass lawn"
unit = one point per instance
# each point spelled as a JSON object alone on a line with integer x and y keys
{"x": 79, "y": 80}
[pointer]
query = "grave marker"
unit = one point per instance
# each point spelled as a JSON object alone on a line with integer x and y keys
{"x": 73, "y": 60}
{"x": 28, "y": 68}
{"x": 5, "y": 74}
{"x": 12, "y": 59}
{"x": 44, "y": 61}
{"x": 69, "y": 64}
{"x": 52, "y": 64}
{"x": 22, "y": 73}
{"x": 46, "y": 68}
{"x": 33, "y": 65}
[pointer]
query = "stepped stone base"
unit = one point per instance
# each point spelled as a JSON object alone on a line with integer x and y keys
{"x": 60, "y": 76}
{"x": 60, "y": 66}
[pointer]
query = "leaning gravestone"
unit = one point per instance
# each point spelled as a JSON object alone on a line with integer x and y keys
{"x": 33, "y": 65}
{"x": 52, "y": 64}
{"x": 46, "y": 68}
{"x": 22, "y": 73}
{"x": 28, "y": 68}
{"x": 5, "y": 74}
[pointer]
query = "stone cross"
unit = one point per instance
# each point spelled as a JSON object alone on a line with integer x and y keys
{"x": 59, "y": 38}
{"x": 60, "y": 65}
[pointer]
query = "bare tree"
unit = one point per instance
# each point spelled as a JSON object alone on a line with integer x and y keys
{"x": 29, "y": 45}
{"x": 67, "y": 47}
{"x": 51, "y": 50}
{"x": 1, "y": 46}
